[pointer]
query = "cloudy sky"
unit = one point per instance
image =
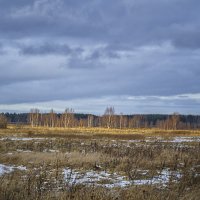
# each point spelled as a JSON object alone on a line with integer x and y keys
{"x": 141, "y": 56}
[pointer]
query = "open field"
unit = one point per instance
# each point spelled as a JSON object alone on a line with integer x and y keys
{"x": 97, "y": 163}
{"x": 26, "y": 129}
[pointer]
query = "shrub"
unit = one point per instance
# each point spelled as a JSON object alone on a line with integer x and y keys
{"x": 3, "y": 121}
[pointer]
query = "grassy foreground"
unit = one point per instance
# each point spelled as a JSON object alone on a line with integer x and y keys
{"x": 134, "y": 154}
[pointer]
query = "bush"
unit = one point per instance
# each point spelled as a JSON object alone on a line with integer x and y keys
{"x": 3, "y": 121}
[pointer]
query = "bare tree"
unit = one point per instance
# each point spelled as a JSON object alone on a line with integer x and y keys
{"x": 120, "y": 120}
{"x": 109, "y": 116}
{"x": 68, "y": 117}
{"x": 90, "y": 120}
{"x": 52, "y": 118}
{"x": 175, "y": 120}
{"x": 136, "y": 121}
{"x": 34, "y": 117}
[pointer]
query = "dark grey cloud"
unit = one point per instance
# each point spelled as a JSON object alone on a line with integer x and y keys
{"x": 1, "y": 50}
{"x": 71, "y": 50}
{"x": 104, "y": 52}
{"x": 48, "y": 48}
{"x": 84, "y": 64}
{"x": 134, "y": 22}
{"x": 189, "y": 39}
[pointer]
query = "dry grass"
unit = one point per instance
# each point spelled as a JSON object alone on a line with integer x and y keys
{"x": 96, "y": 149}
{"x": 87, "y": 132}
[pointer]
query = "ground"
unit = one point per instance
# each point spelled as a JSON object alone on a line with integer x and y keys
{"x": 89, "y": 163}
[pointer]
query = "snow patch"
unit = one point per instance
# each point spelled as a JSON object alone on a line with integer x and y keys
{"x": 21, "y": 138}
{"x": 92, "y": 177}
{"x": 115, "y": 180}
{"x": 163, "y": 178}
{"x": 177, "y": 139}
{"x": 4, "y": 169}
{"x": 24, "y": 151}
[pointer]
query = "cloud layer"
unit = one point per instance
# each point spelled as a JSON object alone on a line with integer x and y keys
{"x": 70, "y": 51}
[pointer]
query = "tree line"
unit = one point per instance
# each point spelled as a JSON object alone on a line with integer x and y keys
{"x": 112, "y": 120}
{"x": 108, "y": 120}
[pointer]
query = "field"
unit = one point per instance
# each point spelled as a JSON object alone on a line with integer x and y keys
{"x": 89, "y": 163}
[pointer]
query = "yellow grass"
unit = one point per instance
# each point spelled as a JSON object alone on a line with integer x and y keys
{"x": 25, "y": 129}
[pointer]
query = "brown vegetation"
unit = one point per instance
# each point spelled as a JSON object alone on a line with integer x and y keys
{"x": 125, "y": 154}
{"x": 3, "y": 122}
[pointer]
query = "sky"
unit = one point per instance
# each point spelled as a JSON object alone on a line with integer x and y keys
{"x": 140, "y": 56}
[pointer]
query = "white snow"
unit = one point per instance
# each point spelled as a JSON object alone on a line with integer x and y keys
{"x": 186, "y": 139}
{"x": 53, "y": 151}
{"x": 163, "y": 178}
{"x": 21, "y": 138}
{"x": 92, "y": 177}
{"x": 24, "y": 151}
{"x": 177, "y": 139}
{"x": 8, "y": 169}
{"x": 115, "y": 180}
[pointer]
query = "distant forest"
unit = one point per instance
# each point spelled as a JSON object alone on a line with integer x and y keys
{"x": 109, "y": 119}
